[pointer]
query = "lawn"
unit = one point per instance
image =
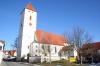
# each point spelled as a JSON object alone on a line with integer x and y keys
{"x": 61, "y": 62}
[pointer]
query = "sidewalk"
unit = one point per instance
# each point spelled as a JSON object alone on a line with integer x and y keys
{"x": 25, "y": 63}
{"x": 17, "y": 64}
{"x": 3, "y": 64}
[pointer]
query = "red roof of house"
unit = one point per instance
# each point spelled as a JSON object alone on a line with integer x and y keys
{"x": 30, "y": 7}
{"x": 11, "y": 51}
{"x": 49, "y": 38}
{"x": 97, "y": 45}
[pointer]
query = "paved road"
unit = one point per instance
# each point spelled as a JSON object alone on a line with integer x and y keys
{"x": 16, "y": 64}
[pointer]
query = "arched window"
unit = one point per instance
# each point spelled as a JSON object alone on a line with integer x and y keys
{"x": 55, "y": 49}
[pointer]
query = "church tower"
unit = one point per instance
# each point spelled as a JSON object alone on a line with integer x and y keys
{"x": 27, "y": 31}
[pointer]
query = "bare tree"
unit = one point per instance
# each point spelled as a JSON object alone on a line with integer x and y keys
{"x": 43, "y": 46}
{"x": 47, "y": 47}
{"x": 78, "y": 37}
{"x": 49, "y": 51}
{"x": 15, "y": 44}
{"x": 87, "y": 38}
{"x": 59, "y": 53}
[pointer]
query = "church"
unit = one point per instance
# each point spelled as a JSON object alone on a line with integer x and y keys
{"x": 37, "y": 43}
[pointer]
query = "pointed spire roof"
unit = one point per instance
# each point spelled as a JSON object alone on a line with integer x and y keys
{"x": 30, "y": 7}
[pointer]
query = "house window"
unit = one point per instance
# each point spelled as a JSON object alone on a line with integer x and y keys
{"x": 0, "y": 47}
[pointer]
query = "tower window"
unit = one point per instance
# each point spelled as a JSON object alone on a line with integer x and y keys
{"x": 30, "y": 17}
{"x": 28, "y": 47}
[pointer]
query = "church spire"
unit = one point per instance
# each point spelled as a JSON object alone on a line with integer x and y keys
{"x": 30, "y": 7}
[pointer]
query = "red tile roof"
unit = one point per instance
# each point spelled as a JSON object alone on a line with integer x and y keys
{"x": 30, "y": 7}
{"x": 9, "y": 51}
{"x": 97, "y": 45}
{"x": 49, "y": 38}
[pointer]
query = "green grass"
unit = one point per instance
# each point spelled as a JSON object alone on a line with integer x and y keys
{"x": 62, "y": 62}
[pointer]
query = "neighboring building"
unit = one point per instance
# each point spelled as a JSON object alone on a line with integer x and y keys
{"x": 91, "y": 52}
{"x": 9, "y": 54}
{"x": 95, "y": 46}
{"x": 2, "y": 44}
{"x": 35, "y": 42}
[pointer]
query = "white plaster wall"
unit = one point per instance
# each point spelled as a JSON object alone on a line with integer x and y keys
{"x": 52, "y": 48}
{"x": 19, "y": 45}
{"x": 54, "y": 55}
{"x": 1, "y": 44}
{"x": 26, "y": 33}
{"x": 33, "y": 49}
{"x": 1, "y": 56}
{"x": 1, "y": 52}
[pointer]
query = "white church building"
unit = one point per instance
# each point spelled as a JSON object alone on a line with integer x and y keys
{"x": 37, "y": 43}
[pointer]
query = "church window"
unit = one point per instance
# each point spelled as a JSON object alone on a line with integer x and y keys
{"x": 55, "y": 49}
{"x": 35, "y": 55}
{"x": 36, "y": 46}
{"x": 36, "y": 51}
{"x": 45, "y": 54}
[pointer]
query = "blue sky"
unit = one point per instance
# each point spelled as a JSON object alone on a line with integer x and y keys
{"x": 56, "y": 16}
